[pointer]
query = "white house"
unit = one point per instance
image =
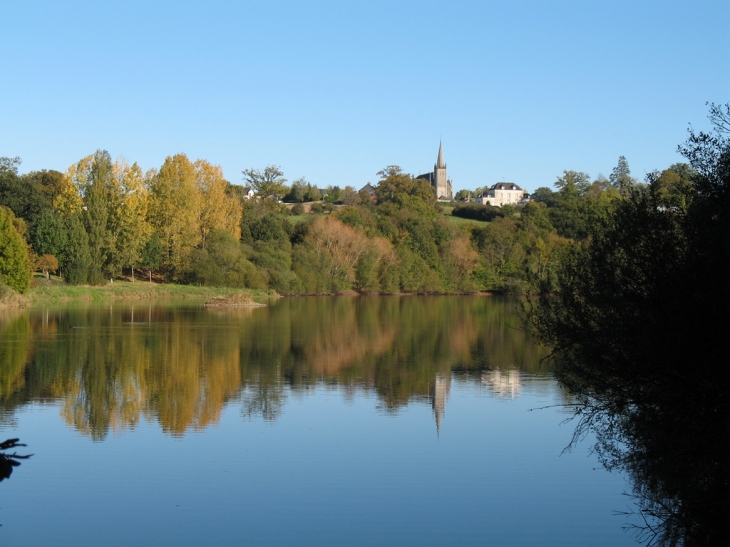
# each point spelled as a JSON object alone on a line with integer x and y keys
{"x": 503, "y": 193}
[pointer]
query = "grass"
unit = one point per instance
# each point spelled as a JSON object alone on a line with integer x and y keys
{"x": 56, "y": 291}
{"x": 297, "y": 219}
{"x": 461, "y": 221}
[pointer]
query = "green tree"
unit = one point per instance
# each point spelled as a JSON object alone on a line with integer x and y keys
{"x": 78, "y": 256}
{"x": 629, "y": 313}
{"x": 544, "y": 195}
{"x": 49, "y": 236}
{"x": 150, "y": 256}
{"x": 269, "y": 183}
{"x": 620, "y": 177}
{"x": 396, "y": 187}
{"x": 14, "y": 262}
{"x": 94, "y": 177}
{"x": 298, "y": 190}
{"x": 25, "y": 195}
{"x": 574, "y": 182}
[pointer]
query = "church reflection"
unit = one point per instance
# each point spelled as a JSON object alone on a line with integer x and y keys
{"x": 114, "y": 366}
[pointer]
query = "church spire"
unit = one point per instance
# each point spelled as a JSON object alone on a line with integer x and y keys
{"x": 440, "y": 161}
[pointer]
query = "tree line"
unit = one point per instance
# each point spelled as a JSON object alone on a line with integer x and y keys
{"x": 185, "y": 223}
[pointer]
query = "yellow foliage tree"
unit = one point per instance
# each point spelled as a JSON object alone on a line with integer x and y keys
{"x": 174, "y": 211}
{"x": 129, "y": 222}
{"x": 218, "y": 210}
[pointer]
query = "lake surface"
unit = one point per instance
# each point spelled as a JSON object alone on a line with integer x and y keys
{"x": 312, "y": 421}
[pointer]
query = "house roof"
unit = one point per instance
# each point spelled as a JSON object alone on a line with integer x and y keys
{"x": 506, "y": 186}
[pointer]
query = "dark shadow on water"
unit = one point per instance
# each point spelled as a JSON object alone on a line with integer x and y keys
{"x": 10, "y": 461}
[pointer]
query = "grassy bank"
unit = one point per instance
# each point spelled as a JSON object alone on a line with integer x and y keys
{"x": 56, "y": 291}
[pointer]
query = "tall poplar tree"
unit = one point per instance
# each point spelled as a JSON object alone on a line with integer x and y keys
{"x": 129, "y": 225}
{"x": 174, "y": 211}
{"x": 218, "y": 210}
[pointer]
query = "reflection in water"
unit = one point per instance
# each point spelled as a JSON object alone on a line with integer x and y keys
{"x": 503, "y": 383}
{"x": 117, "y": 365}
{"x": 441, "y": 389}
{"x": 10, "y": 461}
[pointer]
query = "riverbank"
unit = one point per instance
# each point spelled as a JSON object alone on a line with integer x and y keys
{"x": 56, "y": 291}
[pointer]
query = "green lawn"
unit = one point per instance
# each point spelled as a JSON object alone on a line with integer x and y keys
{"x": 461, "y": 221}
{"x": 297, "y": 219}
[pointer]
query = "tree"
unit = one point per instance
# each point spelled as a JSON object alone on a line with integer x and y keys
{"x": 672, "y": 184}
{"x": 629, "y": 313}
{"x": 390, "y": 171}
{"x": 269, "y": 183}
{"x": 544, "y": 195}
{"x": 150, "y": 256}
{"x": 14, "y": 261}
{"x": 49, "y": 236}
{"x": 218, "y": 209}
{"x": 620, "y": 177}
{"x": 350, "y": 196}
{"x": 94, "y": 177}
{"x": 129, "y": 218}
{"x": 78, "y": 256}
{"x": 25, "y": 195}
{"x": 46, "y": 263}
{"x": 298, "y": 190}
{"x": 341, "y": 245}
{"x": 396, "y": 187}
{"x": 574, "y": 182}
{"x": 174, "y": 211}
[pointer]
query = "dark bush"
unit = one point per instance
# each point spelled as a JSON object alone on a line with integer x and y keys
{"x": 475, "y": 211}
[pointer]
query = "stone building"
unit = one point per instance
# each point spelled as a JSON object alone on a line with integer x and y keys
{"x": 439, "y": 179}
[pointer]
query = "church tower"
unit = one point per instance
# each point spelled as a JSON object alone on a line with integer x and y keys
{"x": 441, "y": 182}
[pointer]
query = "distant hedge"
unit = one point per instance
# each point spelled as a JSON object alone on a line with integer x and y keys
{"x": 475, "y": 211}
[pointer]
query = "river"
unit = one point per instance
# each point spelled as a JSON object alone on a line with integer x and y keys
{"x": 312, "y": 421}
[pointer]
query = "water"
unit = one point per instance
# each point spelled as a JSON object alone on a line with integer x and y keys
{"x": 313, "y": 421}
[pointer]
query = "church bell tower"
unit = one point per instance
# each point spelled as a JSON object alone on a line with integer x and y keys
{"x": 441, "y": 182}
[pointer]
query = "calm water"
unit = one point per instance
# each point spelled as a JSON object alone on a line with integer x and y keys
{"x": 313, "y": 421}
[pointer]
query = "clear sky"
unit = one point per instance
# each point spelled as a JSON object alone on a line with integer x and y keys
{"x": 334, "y": 91}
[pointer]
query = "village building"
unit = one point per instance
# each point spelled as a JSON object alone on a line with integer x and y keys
{"x": 439, "y": 179}
{"x": 503, "y": 193}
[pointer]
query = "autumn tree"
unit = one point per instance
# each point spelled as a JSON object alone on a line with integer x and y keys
{"x": 339, "y": 243}
{"x": 46, "y": 263}
{"x": 174, "y": 211}
{"x": 219, "y": 210}
{"x": 129, "y": 225}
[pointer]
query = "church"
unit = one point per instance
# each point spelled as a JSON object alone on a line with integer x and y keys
{"x": 439, "y": 180}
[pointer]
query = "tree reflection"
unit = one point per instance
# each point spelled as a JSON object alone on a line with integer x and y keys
{"x": 180, "y": 365}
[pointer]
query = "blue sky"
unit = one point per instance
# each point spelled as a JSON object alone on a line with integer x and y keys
{"x": 335, "y": 91}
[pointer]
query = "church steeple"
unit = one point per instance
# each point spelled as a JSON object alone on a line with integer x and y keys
{"x": 440, "y": 161}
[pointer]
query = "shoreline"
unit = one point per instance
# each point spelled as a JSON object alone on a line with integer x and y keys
{"x": 58, "y": 292}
